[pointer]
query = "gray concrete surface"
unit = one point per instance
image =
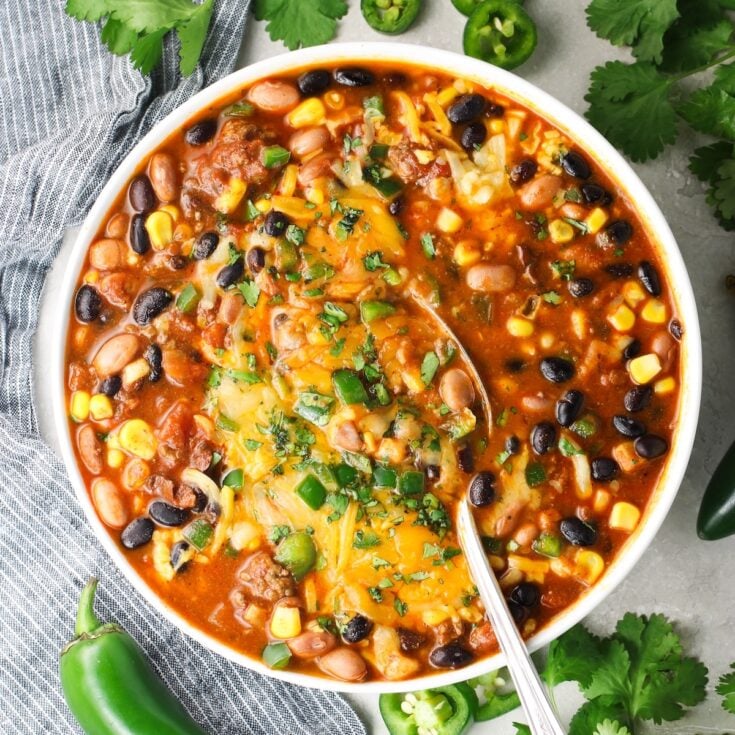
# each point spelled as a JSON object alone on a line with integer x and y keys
{"x": 688, "y": 580}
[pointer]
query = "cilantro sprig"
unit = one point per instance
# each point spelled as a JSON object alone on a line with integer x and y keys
{"x": 300, "y": 22}
{"x": 639, "y": 106}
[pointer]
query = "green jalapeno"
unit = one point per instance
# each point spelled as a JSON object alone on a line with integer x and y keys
{"x": 390, "y": 16}
{"x": 109, "y": 685}
{"x": 716, "y": 517}
{"x": 467, "y": 6}
{"x": 500, "y": 32}
{"x": 445, "y": 710}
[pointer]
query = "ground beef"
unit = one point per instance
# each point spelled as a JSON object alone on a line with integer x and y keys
{"x": 404, "y": 163}
{"x": 410, "y": 640}
{"x": 448, "y": 631}
{"x": 265, "y": 578}
{"x": 482, "y": 638}
{"x": 161, "y": 486}
{"x": 201, "y": 455}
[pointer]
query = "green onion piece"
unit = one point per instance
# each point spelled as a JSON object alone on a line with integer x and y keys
{"x": 243, "y": 376}
{"x": 188, "y": 299}
{"x": 234, "y": 479}
{"x": 428, "y": 246}
{"x": 535, "y": 474}
{"x": 226, "y": 424}
{"x": 387, "y": 187}
{"x": 275, "y": 156}
{"x": 411, "y": 483}
{"x": 312, "y": 492}
{"x": 491, "y": 544}
{"x": 392, "y": 277}
{"x": 429, "y": 366}
{"x": 325, "y": 474}
{"x": 348, "y": 387}
{"x": 240, "y": 109}
{"x": 251, "y": 211}
{"x": 199, "y": 533}
{"x": 547, "y": 545}
{"x": 345, "y": 474}
{"x": 359, "y": 461}
{"x": 584, "y": 427}
{"x": 378, "y": 150}
{"x": 276, "y": 655}
{"x": 384, "y": 476}
{"x": 372, "y": 310}
{"x": 382, "y": 394}
{"x": 314, "y": 407}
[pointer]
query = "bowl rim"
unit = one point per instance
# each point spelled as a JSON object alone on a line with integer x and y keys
{"x": 557, "y": 114}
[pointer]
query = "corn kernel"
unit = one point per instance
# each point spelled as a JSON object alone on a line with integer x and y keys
{"x": 137, "y": 437}
{"x": 435, "y": 617}
{"x": 172, "y": 210}
{"x": 664, "y": 386}
{"x": 311, "y": 601}
{"x": 91, "y": 276}
{"x": 645, "y": 368}
{"x": 413, "y": 380}
{"x": 424, "y": 157}
{"x": 263, "y": 205}
{"x": 449, "y": 221}
{"x": 135, "y": 371}
{"x": 136, "y": 472}
{"x": 285, "y": 622}
{"x": 589, "y": 566}
{"x": 654, "y": 311}
{"x": 497, "y": 126}
{"x": 579, "y": 323}
{"x": 288, "y": 180}
{"x": 624, "y": 517}
{"x": 560, "y": 232}
{"x": 622, "y": 318}
{"x": 79, "y": 405}
{"x": 519, "y": 327}
{"x": 371, "y": 443}
{"x": 595, "y": 220}
{"x": 446, "y": 96}
{"x": 315, "y": 194}
{"x": 100, "y": 407}
{"x": 160, "y": 228}
{"x": 546, "y": 340}
{"x": 601, "y": 501}
{"x": 228, "y": 200}
{"x": 309, "y": 112}
{"x": 255, "y": 615}
{"x": 245, "y": 535}
{"x": 466, "y": 253}
{"x": 633, "y": 293}
{"x": 115, "y": 458}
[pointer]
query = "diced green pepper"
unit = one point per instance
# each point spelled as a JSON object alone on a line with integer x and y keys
{"x": 535, "y": 474}
{"x": 314, "y": 407}
{"x": 188, "y": 299}
{"x": 276, "y": 655}
{"x": 312, "y": 492}
{"x": 199, "y": 533}
{"x": 411, "y": 483}
{"x": 234, "y": 479}
{"x": 384, "y": 476}
{"x": 372, "y": 310}
{"x": 286, "y": 255}
{"x": 348, "y": 387}
{"x": 547, "y": 545}
{"x": 345, "y": 474}
{"x": 584, "y": 427}
{"x": 226, "y": 424}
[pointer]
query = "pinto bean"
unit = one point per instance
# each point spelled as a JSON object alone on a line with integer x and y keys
{"x": 164, "y": 177}
{"x": 347, "y": 437}
{"x": 308, "y": 140}
{"x": 109, "y": 503}
{"x": 491, "y": 278}
{"x": 456, "y": 389}
{"x": 117, "y": 227}
{"x": 90, "y": 449}
{"x": 230, "y": 307}
{"x": 525, "y": 534}
{"x": 316, "y": 167}
{"x": 274, "y": 96}
{"x": 537, "y": 402}
{"x": 343, "y": 663}
{"x": 663, "y": 345}
{"x": 119, "y": 288}
{"x": 506, "y": 522}
{"x": 539, "y": 192}
{"x": 107, "y": 254}
{"x": 311, "y": 644}
{"x": 115, "y": 354}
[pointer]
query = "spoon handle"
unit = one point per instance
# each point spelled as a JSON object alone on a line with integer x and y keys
{"x": 541, "y": 717}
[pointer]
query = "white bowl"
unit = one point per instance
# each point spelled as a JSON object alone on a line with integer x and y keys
{"x": 589, "y": 140}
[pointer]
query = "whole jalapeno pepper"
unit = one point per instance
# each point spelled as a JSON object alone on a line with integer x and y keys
{"x": 390, "y": 16}
{"x": 500, "y": 32}
{"x": 109, "y": 685}
{"x": 716, "y": 517}
{"x": 467, "y": 6}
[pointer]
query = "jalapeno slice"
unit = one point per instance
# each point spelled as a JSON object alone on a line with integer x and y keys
{"x": 467, "y": 6}
{"x": 390, "y": 16}
{"x": 500, "y": 32}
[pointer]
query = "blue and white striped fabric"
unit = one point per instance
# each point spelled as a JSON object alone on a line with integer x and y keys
{"x": 70, "y": 111}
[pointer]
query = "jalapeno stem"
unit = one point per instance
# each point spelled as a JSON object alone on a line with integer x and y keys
{"x": 87, "y": 621}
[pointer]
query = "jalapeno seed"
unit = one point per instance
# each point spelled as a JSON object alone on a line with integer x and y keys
{"x": 577, "y": 532}
{"x": 87, "y": 304}
{"x": 201, "y": 132}
{"x": 638, "y": 398}
{"x": 231, "y": 274}
{"x": 205, "y": 245}
{"x": 275, "y": 223}
{"x": 140, "y": 240}
{"x": 167, "y": 515}
{"x": 353, "y": 76}
{"x": 357, "y": 629}
{"x": 141, "y": 195}
{"x": 604, "y": 469}
{"x": 482, "y": 489}
{"x": 543, "y": 437}
{"x": 650, "y": 446}
{"x": 580, "y": 287}
{"x": 450, "y": 656}
{"x": 466, "y": 108}
{"x": 557, "y": 369}
{"x": 648, "y": 276}
{"x": 575, "y": 164}
{"x": 137, "y": 533}
{"x": 150, "y": 304}
{"x": 473, "y": 136}
{"x": 627, "y": 426}
{"x": 314, "y": 82}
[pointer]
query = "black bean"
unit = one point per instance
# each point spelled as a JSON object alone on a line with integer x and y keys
{"x": 451, "y": 656}
{"x": 201, "y": 502}
{"x": 154, "y": 357}
{"x": 526, "y": 594}
{"x": 87, "y": 304}
{"x": 648, "y": 276}
{"x": 638, "y": 398}
{"x": 569, "y": 407}
{"x": 314, "y": 82}
{"x": 395, "y": 79}
{"x": 433, "y": 472}
{"x": 231, "y": 274}
{"x": 466, "y": 108}
{"x": 577, "y": 532}
{"x": 465, "y": 459}
{"x": 177, "y": 262}
{"x": 575, "y": 164}
{"x": 201, "y": 132}
{"x": 557, "y": 369}
{"x": 353, "y": 76}
{"x": 473, "y": 136}
{"x": 519, "y": 613}
{"x": 543, "y": 437}
{"x": 410, "y": 640}
{"x": 275, "y": 223}
{"x": 482, "y": 489}
{"x": 632, "y": 349}
{"x": 515, "y": 365}
{"x": 604, "y": 469}
{"x": 111, "y": 385}
{"x": 137, "y": 533}
{"x": 205, "y": 245}
{"x": 178, "y": 552}
{"x": 595, "y": 194}
{"x": 493, "y": 109}
{"x": 513, "y": 445}
{"x": 357, "y": 629}
{"x": 141, "y": 195}
{"x": 256, "y": 259}
{"x": 396, "y": 206}
{"x": 523, "y": 171}
{"x": 619, "y": 270}
{"x": 650, "y": 446}
{"x": 150, "y": 304}
{"x": 167, "y": 515}
{"x": 632, "y": 428}
{"x": 615, "y": 234}
{"x": 581, "y": 287}
{"x": 140, "y": 240}
{"x": 677, "y": 331}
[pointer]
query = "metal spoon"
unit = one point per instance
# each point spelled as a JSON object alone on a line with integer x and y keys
{"x": 541, "y": 717}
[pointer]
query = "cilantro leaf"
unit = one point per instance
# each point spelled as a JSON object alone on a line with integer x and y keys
{"x": 147, "y": 52}
{"x": 250, "y": 292}
{"x": 150, "y": 16}
{"x": 691, "y": 46}
{"x": 573, "y": 657}
{"x": 640, "y": 24}
{"x": 521, "y": 729}
{"x": 711, "y": 110}
{"x": 300, "y": 22}
{"x": 611, "y": 727}
{"x": 118, "y": 38}
{"x": 725, "y": 77}
{"x": 715, "y": 164}
{"x": 726, "y": 688}
{"x": 591, "y": 714}
{"x": 192, "y": 35}
{"x": 429, "y": 366}
{"x": 707, "y": 159}
{"x": 630, "y": 105}
{"x": 89, "y": 10}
